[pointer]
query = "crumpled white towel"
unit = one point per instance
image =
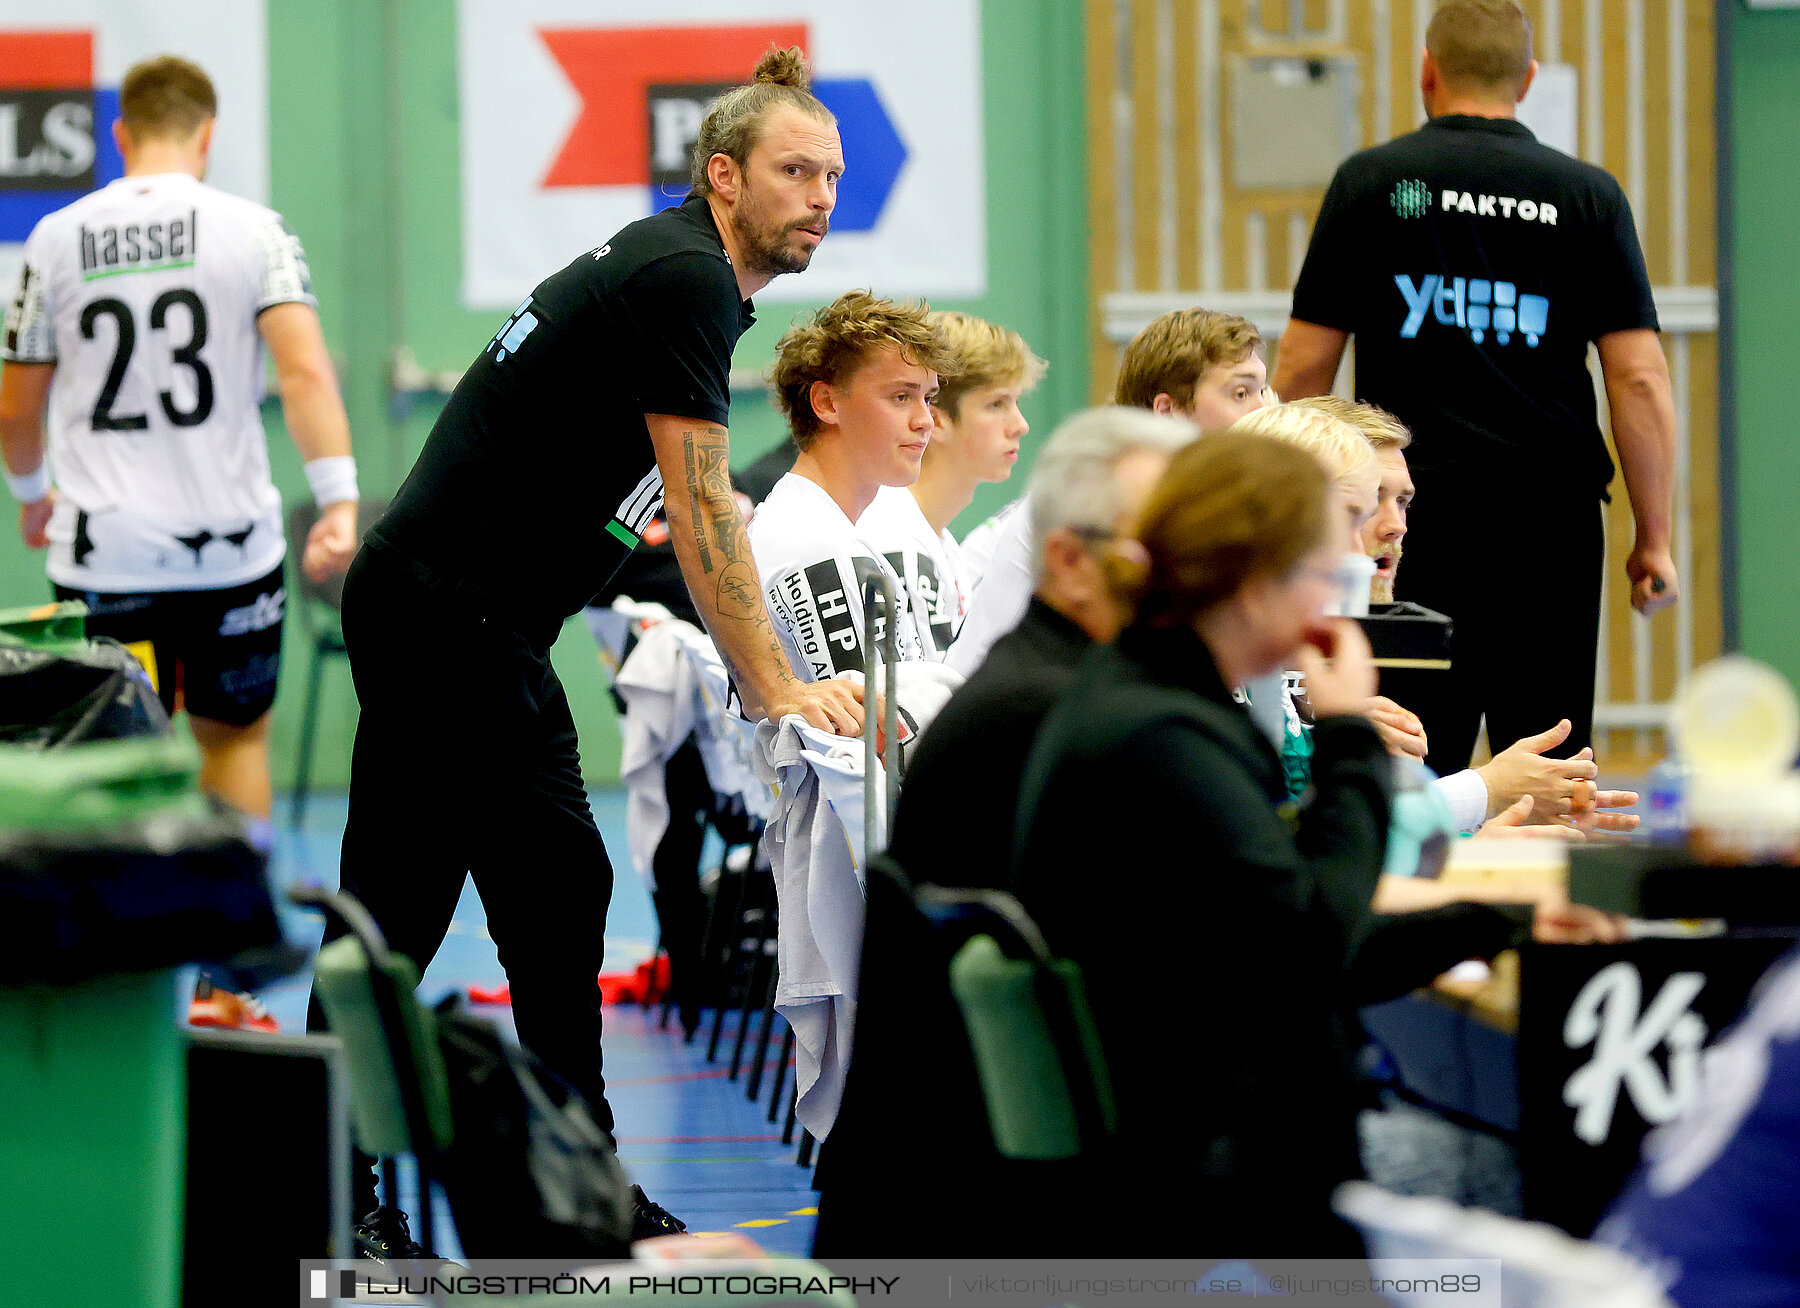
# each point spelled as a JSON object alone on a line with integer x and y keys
{"x": 675, "y": 685}
{"x": 814, "y": 843}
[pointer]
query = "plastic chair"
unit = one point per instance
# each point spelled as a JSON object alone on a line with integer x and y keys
{"x": 321, "y": 603}
{"x": 399, "y": 1093}
{"x": 1037, "y": 1051}
{"x": 960, "y": 1036}
{"x": 738, "y": 945}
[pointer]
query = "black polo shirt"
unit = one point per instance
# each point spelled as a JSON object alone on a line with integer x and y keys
{"x": 539, "y": 476}
{"x": 1474, "y": 265}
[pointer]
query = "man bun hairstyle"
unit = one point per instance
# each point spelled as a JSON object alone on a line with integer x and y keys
{"x": 1229, "y": 509}
{"x": 167, "y": 96}
{"x": 784, "y": 68}
{"x": 733, "y": 122}
{"x": 840, "y": 338}
{"x": 1481, "y": 46}
{"x": 1172, "y": 354}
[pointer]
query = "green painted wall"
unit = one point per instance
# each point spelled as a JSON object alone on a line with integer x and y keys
{"x": 364, "y": 164}
{"x": 1765, "y": 174}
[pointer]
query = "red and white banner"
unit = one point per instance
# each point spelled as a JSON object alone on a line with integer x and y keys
{"x": 60, "y": 67}
{"x": 577, "y": 117}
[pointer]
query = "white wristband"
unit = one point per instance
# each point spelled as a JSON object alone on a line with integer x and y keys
{"x": 332, "y": 479}
{"x": 30, "y": 487}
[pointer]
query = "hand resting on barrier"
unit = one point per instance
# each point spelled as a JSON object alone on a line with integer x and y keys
{"x": 832, "y": 705}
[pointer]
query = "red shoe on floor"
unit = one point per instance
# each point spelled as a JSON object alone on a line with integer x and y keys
{"x": 619, "y": 987}
{"x": 653, "y": 980}
{"x": 234, "y": 1012}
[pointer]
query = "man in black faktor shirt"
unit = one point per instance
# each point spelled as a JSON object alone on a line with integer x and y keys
{"x": 1474, "y": 265}
{"x": 606, "y": 384}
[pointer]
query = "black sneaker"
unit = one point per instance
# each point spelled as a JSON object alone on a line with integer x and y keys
{"x": 650, "y": 1219}
{"x": 385, "y": 1236}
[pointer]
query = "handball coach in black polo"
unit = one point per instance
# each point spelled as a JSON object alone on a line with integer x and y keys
{"x": 608, "y": 384}
{"x": 1474, "y": 265}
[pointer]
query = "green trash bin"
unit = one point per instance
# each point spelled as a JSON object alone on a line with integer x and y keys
{"x": 100, "y": 786}
{"x": 114, "y": 872}
{"x": 59, "y": 688}
{"x": 54, "y": 625}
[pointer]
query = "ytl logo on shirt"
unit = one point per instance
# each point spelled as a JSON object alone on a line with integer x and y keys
{"x": 260, "y": 615}
{"x": 1475, "y": 304}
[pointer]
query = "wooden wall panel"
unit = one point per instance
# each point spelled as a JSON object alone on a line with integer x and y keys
{"x": 1645, "y": 97}
{"x": 1104, "y": 94}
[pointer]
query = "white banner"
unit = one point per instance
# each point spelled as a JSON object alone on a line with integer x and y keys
{"x": 577, "y": 116}
{"x": 60, "y": 67}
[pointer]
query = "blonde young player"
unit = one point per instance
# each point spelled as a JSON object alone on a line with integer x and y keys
{"x": 975, "y": 439}
{"x": 138, "y": 330}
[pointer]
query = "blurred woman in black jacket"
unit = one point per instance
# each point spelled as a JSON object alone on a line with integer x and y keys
{"x": 1213, "y": 921}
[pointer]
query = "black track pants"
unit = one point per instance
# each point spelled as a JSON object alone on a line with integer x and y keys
{"x": 465, "y": 764}
{"x": 1521, "y": 581}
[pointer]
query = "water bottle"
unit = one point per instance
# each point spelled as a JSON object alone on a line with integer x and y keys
{"x": 1665, "y": 802}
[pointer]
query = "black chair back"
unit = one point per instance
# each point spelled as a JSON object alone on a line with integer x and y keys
{"x": 300, "y": 519}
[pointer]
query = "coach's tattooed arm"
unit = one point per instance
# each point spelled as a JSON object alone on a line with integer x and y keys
{"x": 714, "y": 552}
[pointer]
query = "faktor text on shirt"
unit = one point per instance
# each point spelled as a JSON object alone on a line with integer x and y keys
{"x": 1497, "y": 206}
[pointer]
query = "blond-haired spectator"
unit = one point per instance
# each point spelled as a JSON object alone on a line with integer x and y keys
{"x": 976, "y": 440}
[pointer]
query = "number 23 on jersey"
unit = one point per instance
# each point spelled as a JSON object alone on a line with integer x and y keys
{"x": 177, "y": 321}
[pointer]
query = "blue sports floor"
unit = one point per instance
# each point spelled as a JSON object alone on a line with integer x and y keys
{"x": 686, "y": 1133}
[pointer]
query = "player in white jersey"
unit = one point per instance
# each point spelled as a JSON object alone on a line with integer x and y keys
{"x": 1002, "y": 592}
{"x": 978, "y": 546}
{"x": 814, "y": 563}
{"x": 927, "y": 562}
{"x": 856, "y": 382}
{"x": 976, "y": 438}
{"x": 131, "y": 426}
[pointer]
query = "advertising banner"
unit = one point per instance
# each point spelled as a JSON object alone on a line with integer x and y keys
{"x": 1611, "y": 1039}
{"x": 60, "y": 67}
{"x": 578, "y": 117}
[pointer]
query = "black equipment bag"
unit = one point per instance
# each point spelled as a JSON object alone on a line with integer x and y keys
{"x": 71, "y": 693}
{"x": 528, "y": 1173}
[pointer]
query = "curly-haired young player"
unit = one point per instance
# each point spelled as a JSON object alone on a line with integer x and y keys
{"x": 856, "y": 382}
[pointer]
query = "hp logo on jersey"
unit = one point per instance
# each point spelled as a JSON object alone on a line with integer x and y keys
{"x": 1476, "y": 305}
